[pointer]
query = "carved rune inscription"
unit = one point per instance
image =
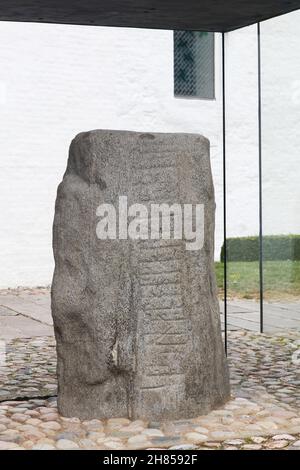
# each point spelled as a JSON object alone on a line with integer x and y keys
{"x": 162, "y": 324}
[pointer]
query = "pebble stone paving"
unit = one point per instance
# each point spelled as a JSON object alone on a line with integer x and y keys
{"x": 264, "y": 412}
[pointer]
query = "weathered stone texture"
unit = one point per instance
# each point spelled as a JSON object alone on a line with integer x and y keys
{"x": 136, "y": 322}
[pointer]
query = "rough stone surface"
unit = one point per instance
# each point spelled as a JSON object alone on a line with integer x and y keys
{"x": 136, "y": 322}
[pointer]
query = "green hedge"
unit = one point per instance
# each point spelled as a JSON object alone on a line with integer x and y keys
{"x": 275, "y": 248}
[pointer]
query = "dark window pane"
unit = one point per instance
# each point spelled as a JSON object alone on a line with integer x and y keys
{"x": 194, "y": 64}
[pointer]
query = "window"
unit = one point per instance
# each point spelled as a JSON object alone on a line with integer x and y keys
{"x": 194, "y": 64}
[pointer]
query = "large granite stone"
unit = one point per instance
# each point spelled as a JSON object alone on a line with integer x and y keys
{"x": 136, "y": 321}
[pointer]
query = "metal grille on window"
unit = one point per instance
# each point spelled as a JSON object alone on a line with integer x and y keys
{"x": 194, "y": 64}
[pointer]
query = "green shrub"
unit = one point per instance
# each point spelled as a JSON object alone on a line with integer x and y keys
{"x": 275, "y": 248}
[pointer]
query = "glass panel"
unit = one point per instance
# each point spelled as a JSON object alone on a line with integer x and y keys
{"x": 281, "y": 171}
{"x": 242, "y": 179}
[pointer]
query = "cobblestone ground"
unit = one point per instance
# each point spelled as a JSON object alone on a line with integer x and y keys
{"x": 264, "y": 412}
{"x": 30, "y": 369}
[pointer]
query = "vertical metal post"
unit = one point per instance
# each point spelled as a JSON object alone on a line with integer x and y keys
{"x": 224, "y": 189}
{"x": 261, "y": 278}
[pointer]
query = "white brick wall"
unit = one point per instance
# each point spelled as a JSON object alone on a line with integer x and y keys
{"x": 56, "y": 81}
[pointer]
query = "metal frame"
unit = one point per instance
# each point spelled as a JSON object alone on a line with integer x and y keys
{"x": 224, "y": 187}
{"x": 260, "y": 195}
{"x": 194, "y": 15}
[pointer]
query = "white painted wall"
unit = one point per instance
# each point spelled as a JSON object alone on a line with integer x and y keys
{"x": 56, "y": 81}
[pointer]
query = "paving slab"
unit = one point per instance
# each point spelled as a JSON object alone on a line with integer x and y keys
{"x": 291, "y": 306}
{"x": 4, "y": 311}
{"x": 33, "y": 307}
{"x": 282, "y": 311}
{"x": 233, "y": 309}
{"x": 245, "y": 314}
{"x": 22, "y": 327}
{"x": 239, "y": 323}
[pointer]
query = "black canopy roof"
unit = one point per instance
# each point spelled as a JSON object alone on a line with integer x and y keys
{"x": 202, "y": 15}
